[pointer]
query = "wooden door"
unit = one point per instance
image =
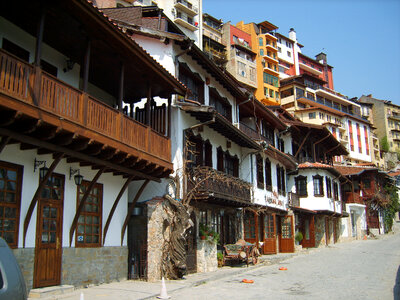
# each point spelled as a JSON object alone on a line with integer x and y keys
{"x": 308, "y": 232}
{"x": 269, "y": 246}
{"x": 250, "y": 227}
{"x": 48, "y": 250}
{"x": 286, "y": 237}
{"x": 191, "y": 247}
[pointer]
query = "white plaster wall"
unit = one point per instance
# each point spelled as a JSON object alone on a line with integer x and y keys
{"x": 111, "y": 187}
{"x": 283, "y": 54}
{"x": 355, "y": 154}
{"x": 312, "y": 202}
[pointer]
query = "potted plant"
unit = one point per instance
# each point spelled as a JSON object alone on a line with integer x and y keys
{"x": 298, "y": 237}
{"x": 203, "y": 231}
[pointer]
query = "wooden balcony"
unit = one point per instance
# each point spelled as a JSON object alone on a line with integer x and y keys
{"x": 211, "y": 185}
{"x": 254, "y": 134}
{"x": 27, "y": 90}
{"x": 353, "y": 198}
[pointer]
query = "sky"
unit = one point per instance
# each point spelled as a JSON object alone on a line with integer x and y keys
{"x": 360, "y": 37}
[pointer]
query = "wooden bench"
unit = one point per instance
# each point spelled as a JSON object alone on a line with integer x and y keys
{"x": 234, "y": 252}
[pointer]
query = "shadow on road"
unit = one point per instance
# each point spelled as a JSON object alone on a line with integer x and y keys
{"x": 396, "y": 289}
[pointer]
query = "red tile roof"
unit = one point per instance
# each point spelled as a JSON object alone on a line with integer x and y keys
{"x": 353, "y": 170}
{"x": 310, "y": 165}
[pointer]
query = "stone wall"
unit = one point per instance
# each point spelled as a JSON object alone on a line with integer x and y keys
{"x": 206, "y": 256}
{"x": 26, "y": 260}
{"x": 86, "y": 266}
{"x": 319, "y": 225}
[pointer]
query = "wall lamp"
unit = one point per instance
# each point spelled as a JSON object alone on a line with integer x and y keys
{"x": 77, "y": 178}
{"x": 43, "y": 170}
{"x": 69, "y": 65}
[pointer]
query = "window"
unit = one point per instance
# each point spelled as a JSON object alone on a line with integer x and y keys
{"x": 335, "y": 191}
{"x": 216, "y": 222}
{"x": 261, "y": 52}
{"x": 279, "y": 49}
{"x": 88, "y": 232}
{"x": 289, "y": 54}
{"x": 268, "y": 178}
{"x": 299, "y": 93}
{"x": 221, "y": 105}
{"x": 281, "y": 179}
{"x": 301, "y": 186}
{"x": 328, "y": 187}
{"x": 272, "y": 80}
{"x": 366, "y": 181}
{"x": 252, "y": 73}
{"x": 271, "y": 93}
{"x": 193, "y": 82}
{"x": 260, "y": 41}
{"x": 249, "y": 223}
{"x": 16, "y": 50}
{"x": 321, "y": 115}
{"x": 312, "y": 115}
{"x": 318, "y": 182}
{"x": 241, "y": 69}
{"x": 260, "y": 170}
{"x": 10, "y": 202}
{"x": 227, "y": 163}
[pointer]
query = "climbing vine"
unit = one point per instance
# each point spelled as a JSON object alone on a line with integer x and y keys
{"x": 392, "y": 208}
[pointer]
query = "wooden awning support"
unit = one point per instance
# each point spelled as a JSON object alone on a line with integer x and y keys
{"x": 337, "y": 146}
{"x": 302, "y": 143}
{"x": 128, "y": 181}
{"x": 82, "y": 203}
{"x": 35, "y": 198}
{"x": 4, "y": 142}
{"x": 130, "y": 209}
{"x": 319, "y": 141}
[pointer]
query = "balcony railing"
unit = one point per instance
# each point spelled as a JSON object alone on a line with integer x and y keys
{"x": 294, "y": 199}
{"x": 48, "y": 94}
{"x": 206, "y": 182}
{"x": 186, "y": 6}
{"x": 254, "y": 134}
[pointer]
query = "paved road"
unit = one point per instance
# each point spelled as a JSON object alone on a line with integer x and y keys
{"x": 357, "y": 270}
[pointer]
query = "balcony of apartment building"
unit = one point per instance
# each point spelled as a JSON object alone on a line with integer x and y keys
{"x": 187, "y": 7}
{"x": 271, "y": 56}
{"x": 310, "y": 67}
{"x": 215, "y": 50}
{"x": 213, "y": 186}
{"x": 393, "y": 115}
{"x": 271, "y": 68}
{"x": 85, "y": 118}
{"x": 186, "y": 20}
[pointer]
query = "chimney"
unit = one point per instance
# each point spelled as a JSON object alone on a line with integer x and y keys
{"x": 292, "y": 35}
{"x": 321, "y": 58}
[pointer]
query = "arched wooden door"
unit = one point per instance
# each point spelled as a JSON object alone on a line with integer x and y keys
{"x": 48, "y": 250}
{"x": 269, "y": 246}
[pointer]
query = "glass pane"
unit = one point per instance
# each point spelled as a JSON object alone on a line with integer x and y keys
{"x": 11, "y": 225}
{"x": 81, "y": 219}
{"x": 95, "y": 191}
{"x": 11, "y": 185}
{"x": 52, "y": 237}
{"x": 10, "y": 212}
{"x": 1, "y": 211}
{"x": 3, "y": 173}
{"x": 1, "y": 197}
{"x": 46, "y": 212}
{"x": 88, "y": 220}
{"x": 56, "y": 194}
{"x": 1, "y": 226}
{"x": 88, "y": 229}
{"x": 1, "y": 184}
{"x": 45, "y": 225}
{"x": 9, "y": 237}
{"x": 96, "y": 229}
{"x": 88, "y": 208}
{"x": 53, "y": 213}
{"x": 95, "y": 239}
{"x": 45, "y": 193}
{"x": 10, "y": 197}
{"x": 88, "y": 239}
{"x": 96, "y": 220}
{"x": 57, "y": 182}
{"x": 81, "y": 229}
{"x": 12, "y": 175}
{"x": 53, "y": 225}
{"x": 45, "y": 237}
{"x": 95, "y": 208}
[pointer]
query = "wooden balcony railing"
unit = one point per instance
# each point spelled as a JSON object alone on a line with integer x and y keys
{"x": 254, "y": 134}
{"x": 45, "y": 92}
{"x": 209, "y": 182}
{"x": 294, "y": 199}
{"x": 353, "y": 198}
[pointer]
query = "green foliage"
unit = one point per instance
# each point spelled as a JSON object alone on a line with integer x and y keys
{"x": 203, "y": 229}
{"x": 392, "y": 208}
{"x": 384, "y": 144}
{"x": 298, "y": 237}
{"x": 220, "y": 256}
{"x": 398, "y": 155}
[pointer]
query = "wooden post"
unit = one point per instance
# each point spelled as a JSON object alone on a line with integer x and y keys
{"x": 148, "y": 104}
{"x": 169, "y": 116}
{"x": 39, "y": 38}
{"x": 86, "y": 67}
{"x": 121, "y": 87}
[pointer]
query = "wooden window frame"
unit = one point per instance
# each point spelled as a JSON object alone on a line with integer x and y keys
{"x": 260, "y": 172}
{"x": 328, "y": 183}
{"x": 268, "y": 175}
{"x": 17, "y": 205}
{"x": 335, "y": 191}
{"x": 301, "y": 181}
{"x": 99, "y": 214}
{"x": 320, "y": 184}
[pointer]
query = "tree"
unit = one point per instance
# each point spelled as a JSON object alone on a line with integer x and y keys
{"x": 384, "y": 144}
{"x": 392, "y": 208}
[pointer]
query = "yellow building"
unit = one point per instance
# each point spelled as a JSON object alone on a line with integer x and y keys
{"x": 264, "y": 43}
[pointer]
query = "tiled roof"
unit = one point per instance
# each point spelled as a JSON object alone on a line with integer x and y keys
{"x": 310, "y": 165}
{"x": 393, "y": 174}
{"x": 353, "y": 170}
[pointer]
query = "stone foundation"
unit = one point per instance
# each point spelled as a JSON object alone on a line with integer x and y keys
{"x": 206, "y": 256}
{"x": 86, "y": 266}
{"x": 319, "y": 226}
{"x": 26, "y": 260}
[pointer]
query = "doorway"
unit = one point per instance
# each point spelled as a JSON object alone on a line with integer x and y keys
{"x": 308, "y": 231}
{"x": 286, "y": 237}
{"x": 48, "y": 250}
{"x": 269, "y": 246}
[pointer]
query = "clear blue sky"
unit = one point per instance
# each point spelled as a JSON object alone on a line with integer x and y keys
{"x": 360, "y": 37}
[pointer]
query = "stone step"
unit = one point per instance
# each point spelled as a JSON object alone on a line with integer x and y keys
{"x": 50, "y": 292}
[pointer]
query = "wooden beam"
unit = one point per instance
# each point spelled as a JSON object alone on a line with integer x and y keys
{"x": 121, "y": 87}
{"x": 4, "y": 142}
{"x": 169, "y": 116}
{"x": 302, "y": 143}
{"x": 75, "y": 154}
{"x": 319, "y": 141}
{"x": 86, "y": 67}
{"x": 337, "y": 146}
{"x": 82, "y": 203}
{"x": 148, "y": 106}
{"x": 127, "y": 182}
{"x": 39, "y": 38}
{"x": 37, "y": 194}
{"x": 130, "y": 209}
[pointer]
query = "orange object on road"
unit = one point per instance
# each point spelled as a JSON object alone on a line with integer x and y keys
{"x": 248, "y": 281}
{"x": 282, "y": 268}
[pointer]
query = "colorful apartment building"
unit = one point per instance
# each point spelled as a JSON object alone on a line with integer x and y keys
{"x": 241, "y": 58}
{"x": 213, "y": 44}
{"x": 288, "y": 49}
{"x": 264, "y": 43}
